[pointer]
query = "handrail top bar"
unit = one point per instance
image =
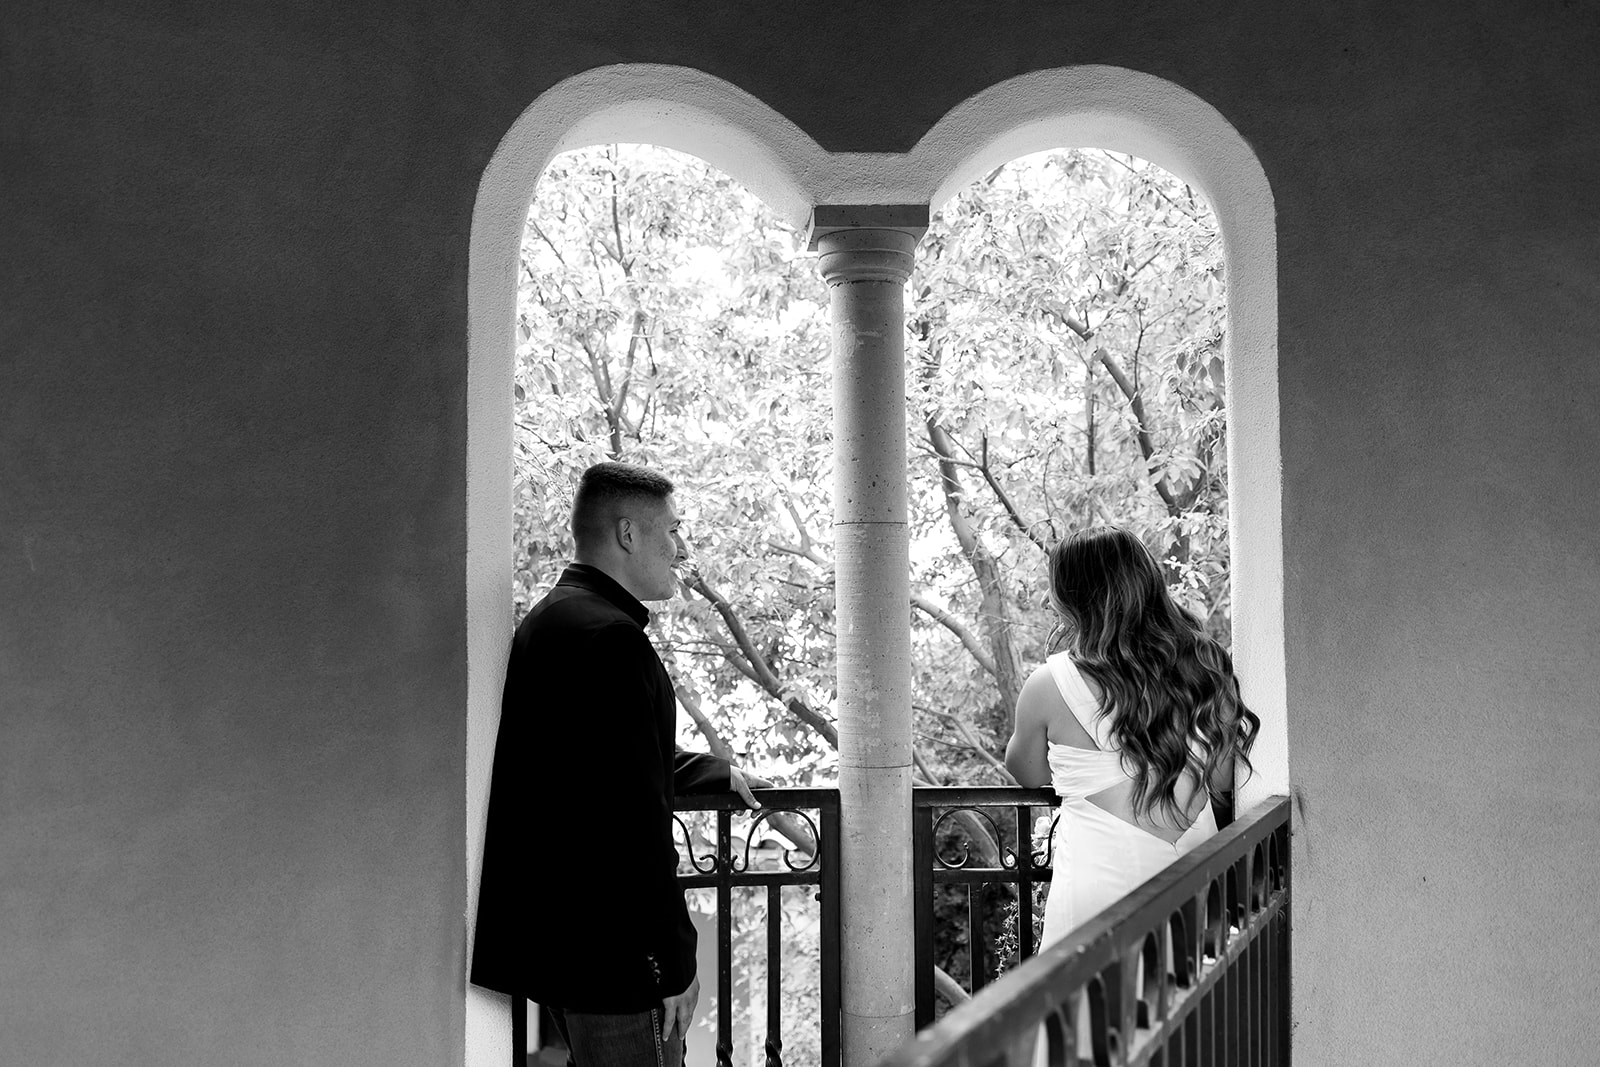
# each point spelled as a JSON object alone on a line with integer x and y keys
{"x": 812, "y": 797}
{"x": 923, "y": 796}
{"x": 1093, "y": 945}
{"x": 1170, "y": 888}
{"x": 940, "y": 796}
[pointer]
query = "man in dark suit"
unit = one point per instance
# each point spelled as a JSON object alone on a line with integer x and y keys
{"x": 579, "y": 907}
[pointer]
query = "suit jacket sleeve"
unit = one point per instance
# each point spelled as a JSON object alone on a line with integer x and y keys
{"x": 700, "y": 772}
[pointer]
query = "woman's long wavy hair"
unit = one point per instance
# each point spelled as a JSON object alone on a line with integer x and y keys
{"x": 1165, "y": 681}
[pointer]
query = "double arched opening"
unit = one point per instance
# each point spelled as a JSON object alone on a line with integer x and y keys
{"x": 695, "y": 113}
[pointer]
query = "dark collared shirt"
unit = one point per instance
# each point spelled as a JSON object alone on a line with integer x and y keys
{"x": 579, "y": 906}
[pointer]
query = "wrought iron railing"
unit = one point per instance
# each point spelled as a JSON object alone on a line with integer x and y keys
{"x": 982, "y": 841}
{"x": 809, "y": 820}
{"x": 1219, "y": 918}
{"x": 1190, "y": 968}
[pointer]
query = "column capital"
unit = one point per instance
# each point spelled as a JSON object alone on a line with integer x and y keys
{"x": 866, "y": 242}
{"x": 911, "y": 219}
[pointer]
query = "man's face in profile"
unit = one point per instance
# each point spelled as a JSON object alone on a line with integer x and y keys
{"x": 660, "y": 549}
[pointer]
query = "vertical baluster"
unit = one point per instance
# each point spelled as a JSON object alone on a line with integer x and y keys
{"x": 1280, "y": 986}
{"x": 519, "y": 1030}
{"x": 1286, "y": 928}
{"x": 1075, "y": 1043}
{"x": 724, "y": 939}
{"x": 1247, "y": 1007}
{"x": 774, "y": 975}
{"x": 1268, "y": 982}
{"x": 1264, "y": 998}
{"x": 1253, "y": 984}
{"x": 832, "y": 984}
{"x": 922, "y": 820}
{"x": 1162, "y": 1002}
{"x": 1126, "y": 1019}
{"x": 976, "y": 957}
{"x": 1214, "y": 1018}
{"x": 1219, "y": 1022}
{"x": 1280, "y": 991}
{"x": 1024, "y": 884}
{"x": 1252, "y": 981}
{"x": 1261, "y": 1015}
{"x": 1260, "y": 920}
{"x": 1230, "y": 1014}
{"x": 1241, "y": 1004}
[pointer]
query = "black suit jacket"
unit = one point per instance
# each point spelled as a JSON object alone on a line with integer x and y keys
{"x": 579, "y": 906}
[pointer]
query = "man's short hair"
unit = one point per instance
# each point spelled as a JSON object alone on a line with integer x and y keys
{"x": 604, "y": 491}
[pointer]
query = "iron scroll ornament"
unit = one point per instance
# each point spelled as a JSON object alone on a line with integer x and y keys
{"x": 1008, "y": 855}
{"x": 741, "y": 865}
{"x": 709, "y": 860}
{"x": 1037, "y": 859}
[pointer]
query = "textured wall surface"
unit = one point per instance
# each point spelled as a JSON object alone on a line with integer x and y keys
{"x": 232, "y": 436}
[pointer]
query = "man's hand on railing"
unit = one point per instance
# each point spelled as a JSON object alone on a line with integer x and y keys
{"x": 742, "y": 782}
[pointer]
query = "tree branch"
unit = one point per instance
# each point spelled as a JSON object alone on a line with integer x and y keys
{"x": 616, "y": 228}
{"x": 1142, "y": 432}
{"x": 995, "y": 606}
{"x": 639, "y": 320}
{"x": 601, "y": 371}
{"x": 948, "y": 989}
{"x": 546, "y": 238}
{"x": 1069, "y": 320}
{"x": 785, "y": 823}
{"x": 973, "y": 741}
{"x": 690, "y": 701}
{"x": 803, "y": 530}
{"x": 763, "y": 675}
{"x": 1005, "y": 500}
{"x": 969, "y": 640}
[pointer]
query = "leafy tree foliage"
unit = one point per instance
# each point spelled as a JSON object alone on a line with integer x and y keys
{"x": 1065, "y": 368}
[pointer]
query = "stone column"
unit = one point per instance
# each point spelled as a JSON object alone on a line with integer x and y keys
{"x": 866, "y": 256}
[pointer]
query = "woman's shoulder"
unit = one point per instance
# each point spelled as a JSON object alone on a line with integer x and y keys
{"x": 1075, "y": 684}
{"x": 1039, "y": 695}
{"x": 1058, "y": 697}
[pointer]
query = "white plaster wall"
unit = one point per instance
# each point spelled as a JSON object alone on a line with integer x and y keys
{"x": 235, "y": 408}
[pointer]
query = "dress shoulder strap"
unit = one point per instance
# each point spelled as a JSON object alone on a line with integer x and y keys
{"x": 1080, "y": 700}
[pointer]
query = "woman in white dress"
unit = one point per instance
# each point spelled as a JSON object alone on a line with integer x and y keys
{"x": 1135, "y": 723}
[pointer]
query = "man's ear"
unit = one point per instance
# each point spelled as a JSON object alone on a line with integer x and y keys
{"x": 623, "y": 531}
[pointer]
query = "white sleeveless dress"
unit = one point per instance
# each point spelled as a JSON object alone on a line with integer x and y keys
{"x": 1098, "y": 858}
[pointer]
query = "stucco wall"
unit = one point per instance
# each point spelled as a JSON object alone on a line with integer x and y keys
{"x": 232, "y": 438}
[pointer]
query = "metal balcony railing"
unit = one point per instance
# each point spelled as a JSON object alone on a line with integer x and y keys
{"x": 809, "y": 820}
{"x": 1190, "y": 968}
{"x": 979, "y": 840}
{"x": 994, "y": 859}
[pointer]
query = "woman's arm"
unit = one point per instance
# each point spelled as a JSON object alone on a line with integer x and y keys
{"x": 1025, "y": 753}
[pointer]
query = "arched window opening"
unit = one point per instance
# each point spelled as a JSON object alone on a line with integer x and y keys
{"x": 1119, "y": 108}
{"x": 667, "y": 317}
{"x": 1066, "y": 370}
{"x": 1065, "y": 352}
{"x": 1066, "y": 349}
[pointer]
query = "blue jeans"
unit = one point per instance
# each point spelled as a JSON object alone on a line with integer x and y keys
{"x": 617, "y": 1040}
